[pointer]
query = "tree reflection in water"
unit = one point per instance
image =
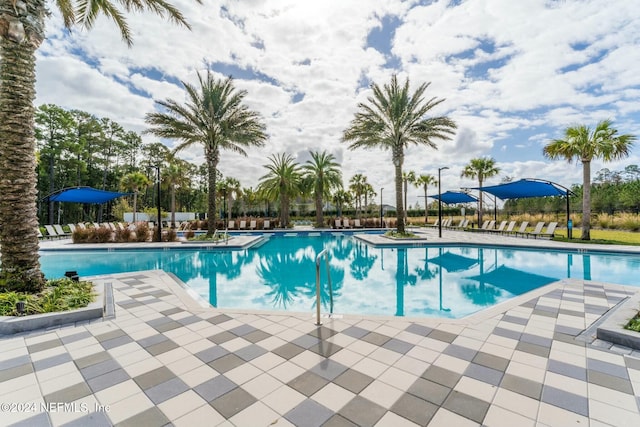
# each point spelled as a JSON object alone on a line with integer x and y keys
{"x": 289, "y": 272}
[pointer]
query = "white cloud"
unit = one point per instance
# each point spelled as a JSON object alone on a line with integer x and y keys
{"x": 505, "y": 68}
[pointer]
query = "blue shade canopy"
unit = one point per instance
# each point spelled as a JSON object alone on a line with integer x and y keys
{"x": 85, "y": 195}
{"x": 450, "y": 197}
{"x": 525, "y": 188}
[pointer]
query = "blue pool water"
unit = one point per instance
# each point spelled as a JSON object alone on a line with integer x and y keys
{"x": 421, "y": 281}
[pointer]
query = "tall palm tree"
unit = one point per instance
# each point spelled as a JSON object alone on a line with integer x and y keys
{"x": 134, "y": 182}
{"x": 424, "y": 181}
{"x": 357, "y": 185}
{"x": 480, "y": 168}
{"x": 282, "y": 182}
{"x": 213, "y": 116}
{"x": 583, "y": 144}
{"x": 174, "y": 177}
{"x": 340, "y": 198}
{"x": 233, "y": 190}
{"x": 394, "y": 119}
{"x": 369, "y": 193}
{"x": 22, "y": 31}
{"x": 407, "y": 178}
{"x": 324, "y": 172}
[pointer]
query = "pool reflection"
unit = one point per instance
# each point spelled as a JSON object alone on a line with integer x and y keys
{"x": 422, "y": 281}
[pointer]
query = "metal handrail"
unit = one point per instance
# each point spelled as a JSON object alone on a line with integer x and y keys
{"x": 324, "y": 252}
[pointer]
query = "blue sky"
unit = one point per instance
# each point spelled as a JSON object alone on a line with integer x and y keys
{"x": 514, "y": 74}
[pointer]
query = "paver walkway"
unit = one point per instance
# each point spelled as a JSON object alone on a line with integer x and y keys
{"x": 167, "y": 360}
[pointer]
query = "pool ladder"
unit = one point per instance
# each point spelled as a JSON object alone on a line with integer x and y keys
{"x": 324, "y": 253}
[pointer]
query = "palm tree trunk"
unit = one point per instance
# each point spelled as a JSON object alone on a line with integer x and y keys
{"x": 405, "y": 200}
{"x": 212, "y": 166}
{"x": 586, "y": 200}
{"x": 399, "y": 208}
{"x": 480, "y": 203}
{"x": 426, "y": 210}
{"x": 135, "y": 204}
{"x": 319, "y": 219}
{"x": 18, "y": 213}
{"x": 173, "y": 206}
{"x": 284, "y": 210}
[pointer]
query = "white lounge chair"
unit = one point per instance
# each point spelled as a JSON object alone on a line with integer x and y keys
{"x": 356, "y": 223}
{"x": 252, "y": 224}
{"x": 500, "y": 228}
{"x": 243, "y": 225}
{"x": 522, "y": 230}
{"x": 266, "y": 224}
{"x": 338, "y": 223}
{"x": 60, "y": 230}
{"x": 231, "y": 225}
{"x": 509, "y": 229}
{"x": 536, "y": 230}
{"x": 51, "y": 232}
{"x": 72, "y": 227}
{"x": 551, "y": 228}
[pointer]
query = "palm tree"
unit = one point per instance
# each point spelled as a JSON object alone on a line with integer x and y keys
{"x": 23, "y": 31}
{"x": 407, "y": 178}
{"x": 369, "y": 193}
{"x": 425, "y": 181}
{"x": 581, "y": 143}
{"x": 233, "y": 190}
{"x": 356, "y": 185}
{"x": 214, "y": 117}
{"x": 282, "y": 183}
{"x": 480, "y": 168}
{"x": 324, "y": 172}
{"x": 340, "y": 198}
{"x": 134, "y": 182}
{"x": 174, "y": 177}
{"x": 393, "y": 119}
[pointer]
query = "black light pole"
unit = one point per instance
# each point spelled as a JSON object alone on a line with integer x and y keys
{"x": 440, "y": 201}
{"x": 381, "y": 188}
{"x": 159, "y": 236}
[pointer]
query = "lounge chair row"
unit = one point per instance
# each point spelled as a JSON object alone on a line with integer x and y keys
{"x": 56, "y": 231}
{"x": 503, "y": 228}
{"x": 348, "y": 223}
{"x": 242, "y": 225}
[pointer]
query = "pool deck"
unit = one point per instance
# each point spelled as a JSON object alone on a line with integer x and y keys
{"x": 168, "y": 359}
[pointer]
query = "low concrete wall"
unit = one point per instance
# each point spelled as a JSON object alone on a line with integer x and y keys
{"x": 612, "y": 329}
{"x": 10, "y": 325}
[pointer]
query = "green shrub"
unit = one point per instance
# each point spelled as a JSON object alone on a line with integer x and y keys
{"x": 81, "y": 235}
{"x": 102, "y": 234}
{"x": 123, "y": 235}
{"x": 58, "y": 295}
{"x": 634, "y": 324}
{"x": 142, "y": 232}
{"x": 170, "y": 236}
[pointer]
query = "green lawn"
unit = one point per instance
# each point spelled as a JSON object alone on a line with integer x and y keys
{"x": 611, "y": 237}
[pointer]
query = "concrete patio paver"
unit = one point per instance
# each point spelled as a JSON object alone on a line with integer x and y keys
{"x": 165, "y": 358}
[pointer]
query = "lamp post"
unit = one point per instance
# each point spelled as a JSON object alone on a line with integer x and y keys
{"x": 381, "y": 188}
{"x": 159, "y": 236}
{"x": 440, "y": 201}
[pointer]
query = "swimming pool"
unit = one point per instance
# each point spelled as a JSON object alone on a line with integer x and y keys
{"x": 429, "y": 281}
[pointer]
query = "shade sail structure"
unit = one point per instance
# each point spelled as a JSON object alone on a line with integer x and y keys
{"x": 84, "y": 195}
{"x": 450, "y": 197}
{"x": 525, "y": 188}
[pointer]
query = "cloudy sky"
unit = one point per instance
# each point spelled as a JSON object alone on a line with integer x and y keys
{"x": 513, "y": 74}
